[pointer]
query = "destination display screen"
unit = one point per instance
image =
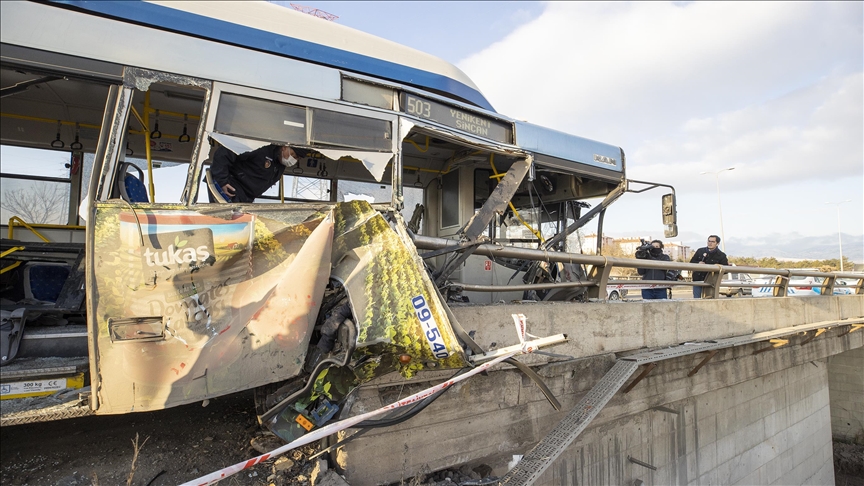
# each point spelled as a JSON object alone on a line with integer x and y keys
{"x": 466, "y": 121}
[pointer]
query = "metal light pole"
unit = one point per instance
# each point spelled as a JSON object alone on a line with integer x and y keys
{"x": 839, "y": 234}
{"x": 716, "y": 175}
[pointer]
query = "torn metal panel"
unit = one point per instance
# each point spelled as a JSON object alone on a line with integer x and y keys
{"x": 238, "y": 145}
{"x": 375, "y": 162}
{"x": 238, "y": 298}
{"x": 401, "y": 323}
{"x": 189, "y": 306}
{"x": 391, "y": 294}
{"x": 497, "y": 201}
{"x": 405, "y": 126}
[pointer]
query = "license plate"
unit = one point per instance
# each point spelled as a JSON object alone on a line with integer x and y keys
{"x": 430, "y": 327}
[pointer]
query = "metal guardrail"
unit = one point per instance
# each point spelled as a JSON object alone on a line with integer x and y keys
{"x": 600, "y": 267}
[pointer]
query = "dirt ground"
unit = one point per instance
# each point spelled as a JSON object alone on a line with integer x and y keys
{"x": 848, "y": 464}
{"x": 187, "y": 442}
{"x": 182, "y": 444}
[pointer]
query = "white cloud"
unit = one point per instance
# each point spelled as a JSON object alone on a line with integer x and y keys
{"x": 815, "y": 133}
{"x": 774, "y": 89}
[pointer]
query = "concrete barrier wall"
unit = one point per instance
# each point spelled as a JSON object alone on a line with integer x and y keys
{"x": 598, "y": 328}
{"x": 773, "y": 429}
{"x": 846, "y": 383}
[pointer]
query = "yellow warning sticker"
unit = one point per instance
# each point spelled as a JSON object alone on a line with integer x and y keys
{"x": 36, "y": 388}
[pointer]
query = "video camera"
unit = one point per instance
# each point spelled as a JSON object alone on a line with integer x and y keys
{"x": 644, "y": 250}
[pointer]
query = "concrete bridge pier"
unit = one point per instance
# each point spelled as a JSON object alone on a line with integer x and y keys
{"x": 846, "y": 385}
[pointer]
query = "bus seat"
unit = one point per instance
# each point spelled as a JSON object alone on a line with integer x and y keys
{"x": 43, "y": 281}
{"x": 130, "y": 187}
{"x": 215, "y": 191}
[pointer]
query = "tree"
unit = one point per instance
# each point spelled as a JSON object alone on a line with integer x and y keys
{"x": 615, "y": 250}
{"x": 40, "y": 203}
{"x": 830, "y": 265}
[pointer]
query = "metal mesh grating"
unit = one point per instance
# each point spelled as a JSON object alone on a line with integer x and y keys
{"x": 533, "y": 464}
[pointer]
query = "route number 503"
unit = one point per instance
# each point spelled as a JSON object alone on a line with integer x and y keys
{"x": 430, "y": 327}
{"x": 418, "y": 107}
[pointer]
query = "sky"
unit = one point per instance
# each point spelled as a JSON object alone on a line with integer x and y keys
{"x": 773, "y": 90}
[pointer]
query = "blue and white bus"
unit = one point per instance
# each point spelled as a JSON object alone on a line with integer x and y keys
{"x": 111, "y": 115}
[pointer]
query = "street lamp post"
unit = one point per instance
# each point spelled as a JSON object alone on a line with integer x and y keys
{"x": 716, "y": 175}
{"x": 839, "y": 234}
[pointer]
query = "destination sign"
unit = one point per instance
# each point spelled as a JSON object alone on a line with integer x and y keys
{"x": 466, "y": 121}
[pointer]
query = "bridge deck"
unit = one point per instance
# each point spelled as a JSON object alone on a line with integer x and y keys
{"x": 503, "y": 414}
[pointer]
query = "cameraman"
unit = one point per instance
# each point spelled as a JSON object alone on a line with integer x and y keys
{"x": 654, "y": 251}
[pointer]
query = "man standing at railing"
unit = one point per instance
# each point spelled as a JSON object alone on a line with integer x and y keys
{"x": 709, "y": 255}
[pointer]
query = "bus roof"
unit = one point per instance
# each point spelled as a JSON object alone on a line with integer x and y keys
{"x": 273, "y": 29}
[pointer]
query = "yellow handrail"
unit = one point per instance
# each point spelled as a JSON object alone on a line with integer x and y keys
{"x": 515, "y": 212}
{"x": 10, "y": 267}
{"x": 175, "y": 114}
{"x": 16, "y": 221}
{"x": 21, "y": 222}
{"x": 85, "y": 125}
{"x": 412, "y": 142}
{"x": 8, "y": 252}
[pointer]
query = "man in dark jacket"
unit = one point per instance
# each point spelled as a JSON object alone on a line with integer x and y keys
{"x": 244, "y": 177}
{"x": 655, "y": 252}
{"x": 709, "y": 255}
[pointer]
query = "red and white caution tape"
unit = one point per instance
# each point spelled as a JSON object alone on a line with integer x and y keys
{"x": 521, "y": 328}
{"x": 221, "y": 474}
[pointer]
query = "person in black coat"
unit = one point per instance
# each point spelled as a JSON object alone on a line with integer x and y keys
{"x": 709, "y": 255}
{"x": 655, "y": 252}
{"x": 244, "y": 177}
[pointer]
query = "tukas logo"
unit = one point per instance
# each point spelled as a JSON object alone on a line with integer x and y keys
{"x": 175, "y": 254}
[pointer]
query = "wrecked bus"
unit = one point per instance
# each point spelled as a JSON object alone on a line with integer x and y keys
{"x": 131, "y": 291}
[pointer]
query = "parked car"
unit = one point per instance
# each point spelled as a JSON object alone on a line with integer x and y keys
{"x": 731, "y": 285}
{"x": 615, "y": 292}
{"x": 809, "y": 286}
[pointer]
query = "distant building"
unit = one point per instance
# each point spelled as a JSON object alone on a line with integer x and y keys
{"x": 628, "y": 245}
{"x": 589, "y": 243}
{"x": 675, "y": 249}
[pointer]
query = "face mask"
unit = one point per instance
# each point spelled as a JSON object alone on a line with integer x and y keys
{"x": 656, "y": 251}
{"x": 288, "y": 162}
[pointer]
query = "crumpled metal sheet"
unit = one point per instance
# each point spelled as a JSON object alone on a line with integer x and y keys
{"x": 190, "y": 306}
{"x": 237, "y": 299}
{"x": 374, "y": 162}
{"x": 238, "y": 145}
